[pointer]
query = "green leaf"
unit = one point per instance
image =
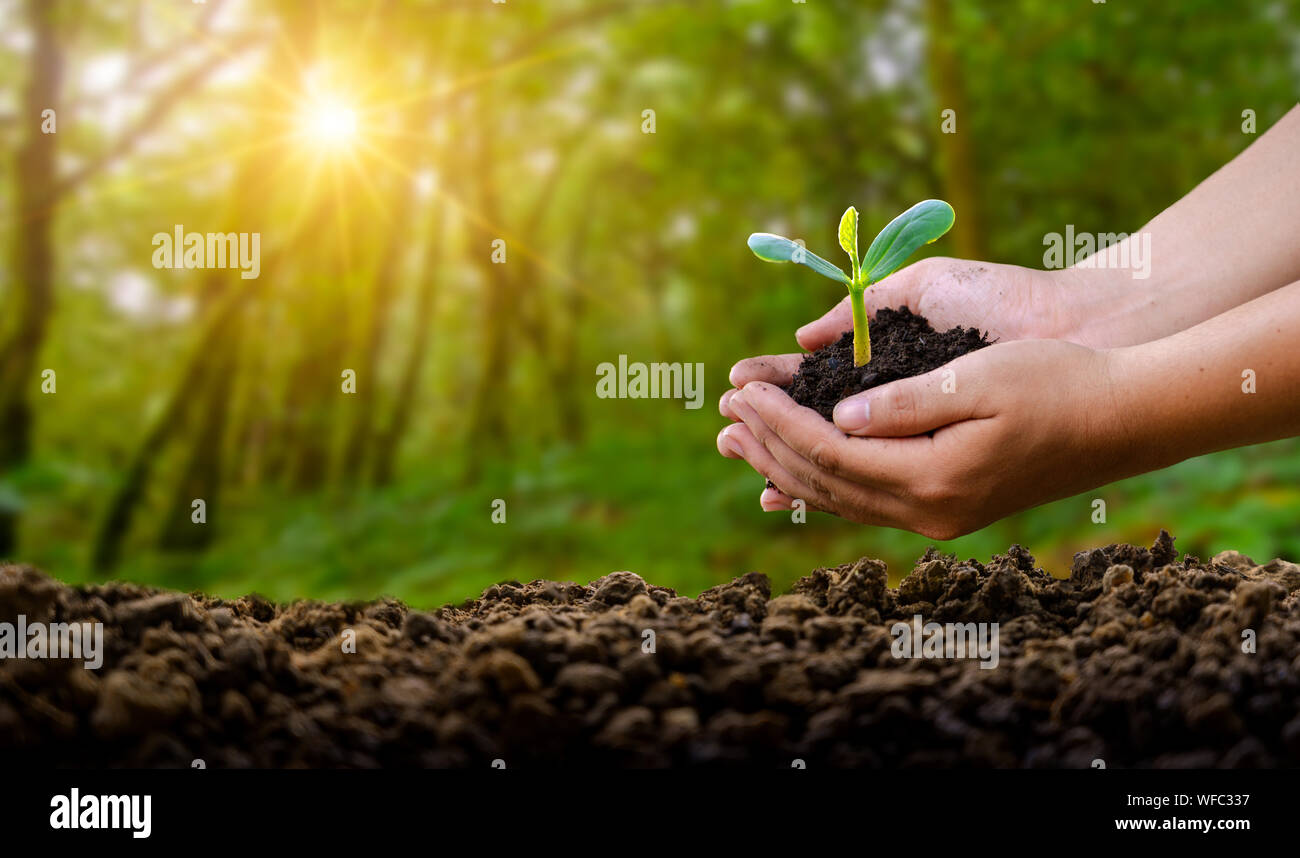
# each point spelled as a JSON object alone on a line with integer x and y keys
{"x": 776, "y": 248}
{"x": 849, "y": 236}
{"x": 921, "y": 224}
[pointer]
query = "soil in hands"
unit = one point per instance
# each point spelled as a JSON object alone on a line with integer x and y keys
{"x": 902, "y": 344}
{"x": 1136, "y": 659}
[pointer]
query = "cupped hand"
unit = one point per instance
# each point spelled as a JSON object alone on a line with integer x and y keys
{"x": 996, "y": 431}
{"x": 1007, "y": 302}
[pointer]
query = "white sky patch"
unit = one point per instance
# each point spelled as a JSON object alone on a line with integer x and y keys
{"x": 178, "y": 309}
{"x": 133, "y": 294}
{"x": 580, "y": 83}
{"x": 885, "y": 70}
{"x": 541, "y": 161}
{"x": 13, "y": 35}
{"x": 102, "y": 74}
{"x": 239, "y": 69}
{"x": 90, "y": 247}
{"x": 618, "y": 130}
{"x": 113, "y": 112}
{"x": 595, "y": 42}
{"x": 569, "y": 112}
{"x": 895, "y": 50}
{"x": 426, "y": 183}
{"x": 780, "y": 227}
{"x": 797, "y": 98}
{"x": 234, "y": 14}
{"x": 130, "y": 293}
{"x": 682, "y": 228}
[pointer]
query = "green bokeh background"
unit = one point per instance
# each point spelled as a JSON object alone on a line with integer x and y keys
{"x": 525, "y": 120}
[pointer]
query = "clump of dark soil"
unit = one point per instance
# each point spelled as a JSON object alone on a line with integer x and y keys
{"x": 902, "y": 345}
{"x": 1137, "y": 659}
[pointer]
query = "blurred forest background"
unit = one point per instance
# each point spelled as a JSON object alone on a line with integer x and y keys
{"x": 379, "y": 147}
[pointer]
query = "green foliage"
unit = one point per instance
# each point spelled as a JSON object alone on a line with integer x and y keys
{"x": 776, "y": 248}
{"x": 849, "y": 239}
{"x": 922, "y": 224}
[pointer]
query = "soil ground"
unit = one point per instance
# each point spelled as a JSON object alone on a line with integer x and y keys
{"x": 1136, "y": 660}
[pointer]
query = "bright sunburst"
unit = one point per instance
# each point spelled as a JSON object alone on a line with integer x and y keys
{"x": 328, "y": 122}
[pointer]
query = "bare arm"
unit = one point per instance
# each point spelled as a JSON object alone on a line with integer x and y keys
{"x": 1234, "y": 237}
{"x": 1227, "y": 382}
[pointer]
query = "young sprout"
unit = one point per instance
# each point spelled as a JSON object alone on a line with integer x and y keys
{"x": 921, "y": 224}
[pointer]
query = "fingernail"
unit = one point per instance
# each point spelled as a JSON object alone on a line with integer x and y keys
{"x": 798, "y": 335}
{"x": 852, "y": 415}
{"x": 732, "y": 444}
{"x": 770, "y": 500}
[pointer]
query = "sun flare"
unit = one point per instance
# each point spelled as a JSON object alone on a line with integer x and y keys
{"x": 329, "y": 122}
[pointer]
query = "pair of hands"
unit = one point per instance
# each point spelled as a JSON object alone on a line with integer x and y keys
{"x": 1094, "y": 376}
{"x": 1027, "y": 420}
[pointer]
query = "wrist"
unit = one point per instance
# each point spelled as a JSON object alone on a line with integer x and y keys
{"x": 1104, "y": 307}
{"x": 1152, "y": 411}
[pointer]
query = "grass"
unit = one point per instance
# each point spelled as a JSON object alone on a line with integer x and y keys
{"x": 663, "y": 506}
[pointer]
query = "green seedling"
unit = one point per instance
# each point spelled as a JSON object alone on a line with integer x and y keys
{"x": 921, "y": 224}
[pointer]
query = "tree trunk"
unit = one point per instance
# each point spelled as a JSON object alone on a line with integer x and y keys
{"x": 33, "y": 264}
{"x": 567, "y": 385}
{"x": 488, "y": 426}
{"x": 117, "y": 521}
{"x": 390, "y": 438}
{"x": 360, "y": 440}
{"x": 222, "y": 305}
{"x": 201, "y": 477}
{"x": 956, "y": 151}
{"x": 319, "y": 379}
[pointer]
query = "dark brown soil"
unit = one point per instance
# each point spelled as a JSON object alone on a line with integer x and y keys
{"x": 1136, "y": 660}
{"x": 902, "y": 345}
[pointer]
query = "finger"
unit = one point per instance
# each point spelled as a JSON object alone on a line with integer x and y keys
{"x": 774, "y": 499}
{"x": 740, "y": 439}
{"x": 883, "y": 463}
{"x": 723, "y": 405}
{"x": 844, "y": 497}
{"x": 774, "y": 369}
{"x": 727, "y": 446}
{"x": 910, "y": 406}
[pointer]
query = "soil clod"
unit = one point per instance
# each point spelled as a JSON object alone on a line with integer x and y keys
{"x": 1138, "y": 658}
{"x": 902, "y": 345}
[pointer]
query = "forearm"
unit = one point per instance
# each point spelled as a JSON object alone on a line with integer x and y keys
{"x": 1228, "y": 382}
{"x": 1230, "y": 240}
